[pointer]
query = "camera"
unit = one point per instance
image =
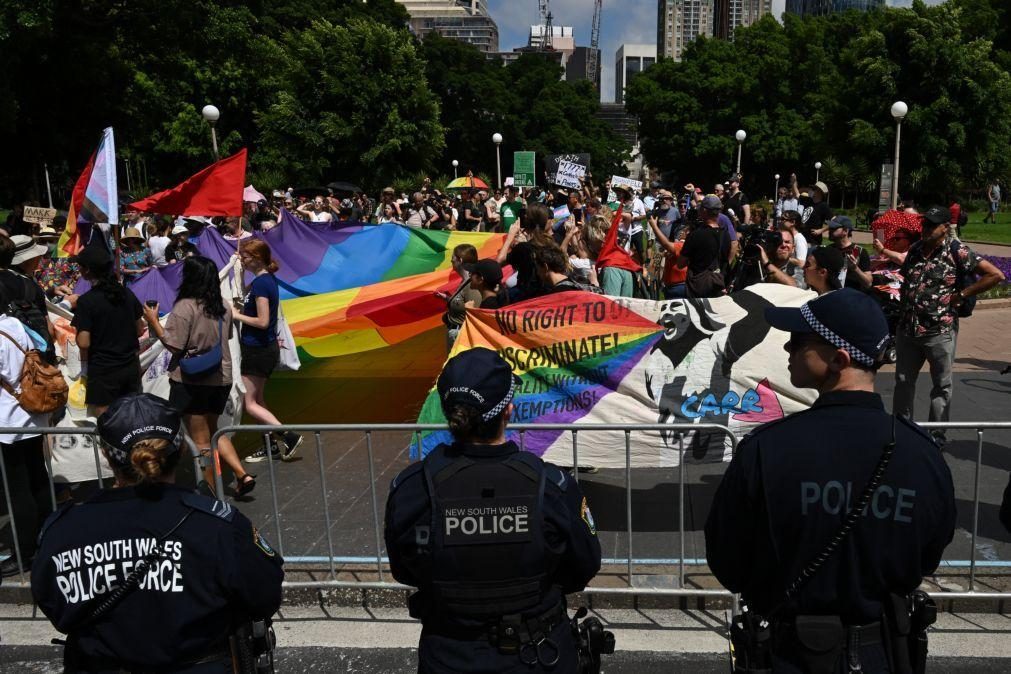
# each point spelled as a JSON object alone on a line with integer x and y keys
{"x": 761, "y": 238}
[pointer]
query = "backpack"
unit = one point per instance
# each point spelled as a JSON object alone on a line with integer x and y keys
{"x": 28, "y": 313}
{"x": 43, "y": 388}
{"x": 963, "y": 218}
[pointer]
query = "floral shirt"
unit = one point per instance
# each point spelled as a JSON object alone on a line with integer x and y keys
{"x": 929, "y": 284}
{"x": 135, "y": 260}
{"x": 54, "y": 272}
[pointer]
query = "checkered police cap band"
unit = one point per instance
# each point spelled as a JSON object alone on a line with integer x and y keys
{"x": 495, "y": 411}
{"x": 834, "y": 339}
{"x": 116, "y": 455}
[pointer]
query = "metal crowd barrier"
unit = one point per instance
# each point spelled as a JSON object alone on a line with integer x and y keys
{"x": 574, "y": 429}
{"x": 416, "y": 429}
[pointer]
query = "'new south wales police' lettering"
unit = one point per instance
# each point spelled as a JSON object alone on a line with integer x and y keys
{"x": 486, "y": 521}
{"x": 835, "y": 497}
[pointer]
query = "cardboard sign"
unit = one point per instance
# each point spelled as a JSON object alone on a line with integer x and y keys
{"x": 569, "y": 173}
{"x": 618, "y": 181}
{"x": 39, "y": 215}
{"x": 510, "y": 181}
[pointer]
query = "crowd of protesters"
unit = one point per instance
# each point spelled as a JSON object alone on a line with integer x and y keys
{"x": 661, "y": 244}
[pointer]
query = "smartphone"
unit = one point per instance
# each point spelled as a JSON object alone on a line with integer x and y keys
{"x": 152, "y": 303}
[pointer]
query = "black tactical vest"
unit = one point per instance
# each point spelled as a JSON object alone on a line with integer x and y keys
{"x": 488, "y": 557}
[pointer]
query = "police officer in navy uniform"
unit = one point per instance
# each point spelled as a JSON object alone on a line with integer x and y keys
{"x": 205, "y": 569}
{"x": 792, "y": 482}
{"x": 492, "y": 537}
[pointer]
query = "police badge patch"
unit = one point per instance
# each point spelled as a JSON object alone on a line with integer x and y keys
{"x": 587, "y": 516}
{"x": 262, "y": 543}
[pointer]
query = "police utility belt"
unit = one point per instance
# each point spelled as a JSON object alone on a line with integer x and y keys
{"x": 819, "y": 640}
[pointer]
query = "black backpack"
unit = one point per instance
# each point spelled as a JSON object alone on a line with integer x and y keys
{"x": 963, "y": 279}
{"x": 26, "y": 311}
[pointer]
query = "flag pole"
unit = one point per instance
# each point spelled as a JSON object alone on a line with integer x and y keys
{"x": 49, "y": 190}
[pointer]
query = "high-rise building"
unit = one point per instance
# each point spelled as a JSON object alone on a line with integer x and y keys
{"x": 821, "y": 7}
{"x": 629, "y": 60}
{"x": 563, "y": 40}
{"x": 464, "y": 20}
{"x": 729, "y": 15}
{"x": 679, "y": 22}
{"x": 575, "y": 68}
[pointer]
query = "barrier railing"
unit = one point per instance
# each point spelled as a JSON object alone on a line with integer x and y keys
{"x": 521, "y": 429}
{"x": 575, "y": 431}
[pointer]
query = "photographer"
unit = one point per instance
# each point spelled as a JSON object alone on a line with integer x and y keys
{"x": 767, "y": 259}
{"x": 420, "y": 214}
{"x": 388, "y": 210}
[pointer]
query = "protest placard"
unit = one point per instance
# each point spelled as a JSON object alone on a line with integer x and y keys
{"x": 39, "y": 215}
{"x": 618, "y": 181}
{"x": 523, "y": 168}
{"x": 569, "y": 173}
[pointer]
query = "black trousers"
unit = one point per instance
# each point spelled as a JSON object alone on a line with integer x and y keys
{"x": 28, "y": 482}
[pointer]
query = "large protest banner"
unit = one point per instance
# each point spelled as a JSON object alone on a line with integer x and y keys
{"x": 595, "y": 359}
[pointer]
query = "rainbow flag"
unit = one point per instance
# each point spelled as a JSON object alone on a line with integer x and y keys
{"x": 589, "y": 358}
{"x": 95, "y": 198}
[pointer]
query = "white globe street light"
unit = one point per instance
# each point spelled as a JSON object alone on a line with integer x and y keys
{"x": 740, "y": 136}
{"x": 817, "y": 171}
{"x": 899, "y": 110}
{"x": 776, "y": 204}
{"x": 455, "y": 164}
{"x": 497, "y": 139}
{"x": 212, "y": 115}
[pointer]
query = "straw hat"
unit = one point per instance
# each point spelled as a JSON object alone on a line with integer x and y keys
{"x": 132, "y": 233}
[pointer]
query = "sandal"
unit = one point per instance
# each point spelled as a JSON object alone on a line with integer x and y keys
{"x": 245, "y": 484}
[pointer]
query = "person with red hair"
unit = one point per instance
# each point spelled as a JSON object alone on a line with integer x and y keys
{"x": 259, "y": 349}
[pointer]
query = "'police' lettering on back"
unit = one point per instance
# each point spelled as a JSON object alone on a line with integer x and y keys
{"x": 486, "y": 521}
{"x": 835, "y": 498}
{"x": 87, "y": 572}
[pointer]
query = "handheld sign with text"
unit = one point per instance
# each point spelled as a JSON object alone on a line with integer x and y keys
{"x": 618, "y": 181}
{"x": 523, "y": 169}
{"x": 569, "y": 173}
{"x": 39, "y": 215}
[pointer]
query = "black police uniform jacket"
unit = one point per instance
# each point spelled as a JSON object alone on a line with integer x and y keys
{"x": 216, "y": 571}
{"x": 788, "y": 489}
{"x": 511, "y": 535}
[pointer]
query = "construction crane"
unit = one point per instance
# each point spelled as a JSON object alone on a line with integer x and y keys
{"x": 547, "y": 43}
{"x": 594, "y": 56}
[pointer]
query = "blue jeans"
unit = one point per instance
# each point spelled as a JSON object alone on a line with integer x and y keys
{"x": 678, "y": 291}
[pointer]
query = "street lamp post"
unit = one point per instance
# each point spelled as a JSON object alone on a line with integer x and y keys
{"x": 212, "y": 115}
{"x": 817, "y": 171}
{"x": 899, "y": 110}
{"x": 775, "y": 204}
{"x": 455, "y": 164}
{"x": 497, "y": 139}
{"x": 740, "y": 136}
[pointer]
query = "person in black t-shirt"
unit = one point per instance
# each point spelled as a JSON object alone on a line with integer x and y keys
{"x": 485, "y": 277}
{"x": 815, "y": 214}
{"x": 109, "y": 320}
{"x": 737, "y": 201}
{"x": 701, "y": 251}
{"x": 857, "y": 261}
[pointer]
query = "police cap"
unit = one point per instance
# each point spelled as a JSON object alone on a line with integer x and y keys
{"x": 480, "y": 379}
{"x": 136, "y": 417}
{"x": 847, "y": 318}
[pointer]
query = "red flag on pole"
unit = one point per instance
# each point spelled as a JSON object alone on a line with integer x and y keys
{"x": 217, "y": 190}
{"x": 611, "y": 254}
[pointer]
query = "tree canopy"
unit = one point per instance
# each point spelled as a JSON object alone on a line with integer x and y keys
{"x": 820, "y": 89}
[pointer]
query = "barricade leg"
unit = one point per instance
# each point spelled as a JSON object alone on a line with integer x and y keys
{"x": 10, "y": 513}
{"x": 375, "y": 506}
{"x": 326, "y": 504}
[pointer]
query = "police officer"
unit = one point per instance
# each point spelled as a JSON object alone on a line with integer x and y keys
{"x": 204, "y": 570}
{"x": 492, "y": 537}
{"x": 792, "y": 482}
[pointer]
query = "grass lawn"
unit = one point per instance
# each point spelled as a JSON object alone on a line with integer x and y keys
{"x": 976, "y": 230}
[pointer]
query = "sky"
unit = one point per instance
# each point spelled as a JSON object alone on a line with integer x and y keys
{"x": 621, "y": 21}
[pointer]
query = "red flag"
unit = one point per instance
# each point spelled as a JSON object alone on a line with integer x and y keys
{"x": 72, "y": 240}
{"x": 612, "y": 255}
{"x": 217, "y": 190}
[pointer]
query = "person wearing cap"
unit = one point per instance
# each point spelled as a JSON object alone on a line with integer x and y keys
{"x": 937, "y": 280}
{"x": 387, "y": 199}
{"x": 203, "y": 570}
{"x": 492, "y": 537}
{"x": 180, "y": 248}
{"x": 815, "y": 212}
{"x": 134, "y": 257}
{"x": 485, "y": 279}
{"x": 792, "y": 482}
{"x": 855, "y": 257}
{"x": 109, "y": 320}
{"x": 823, "y": 269}
{"x": 701, "y": 252}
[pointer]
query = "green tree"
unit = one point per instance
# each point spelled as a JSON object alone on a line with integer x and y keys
{"x": 355, "y": 106}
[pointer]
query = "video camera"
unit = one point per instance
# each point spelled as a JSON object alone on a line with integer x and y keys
{"x": 757, "y": 238}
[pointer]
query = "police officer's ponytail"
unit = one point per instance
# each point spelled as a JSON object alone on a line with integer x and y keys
{"x": 466, "y": 424}
{"x": 151, "y": 459}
